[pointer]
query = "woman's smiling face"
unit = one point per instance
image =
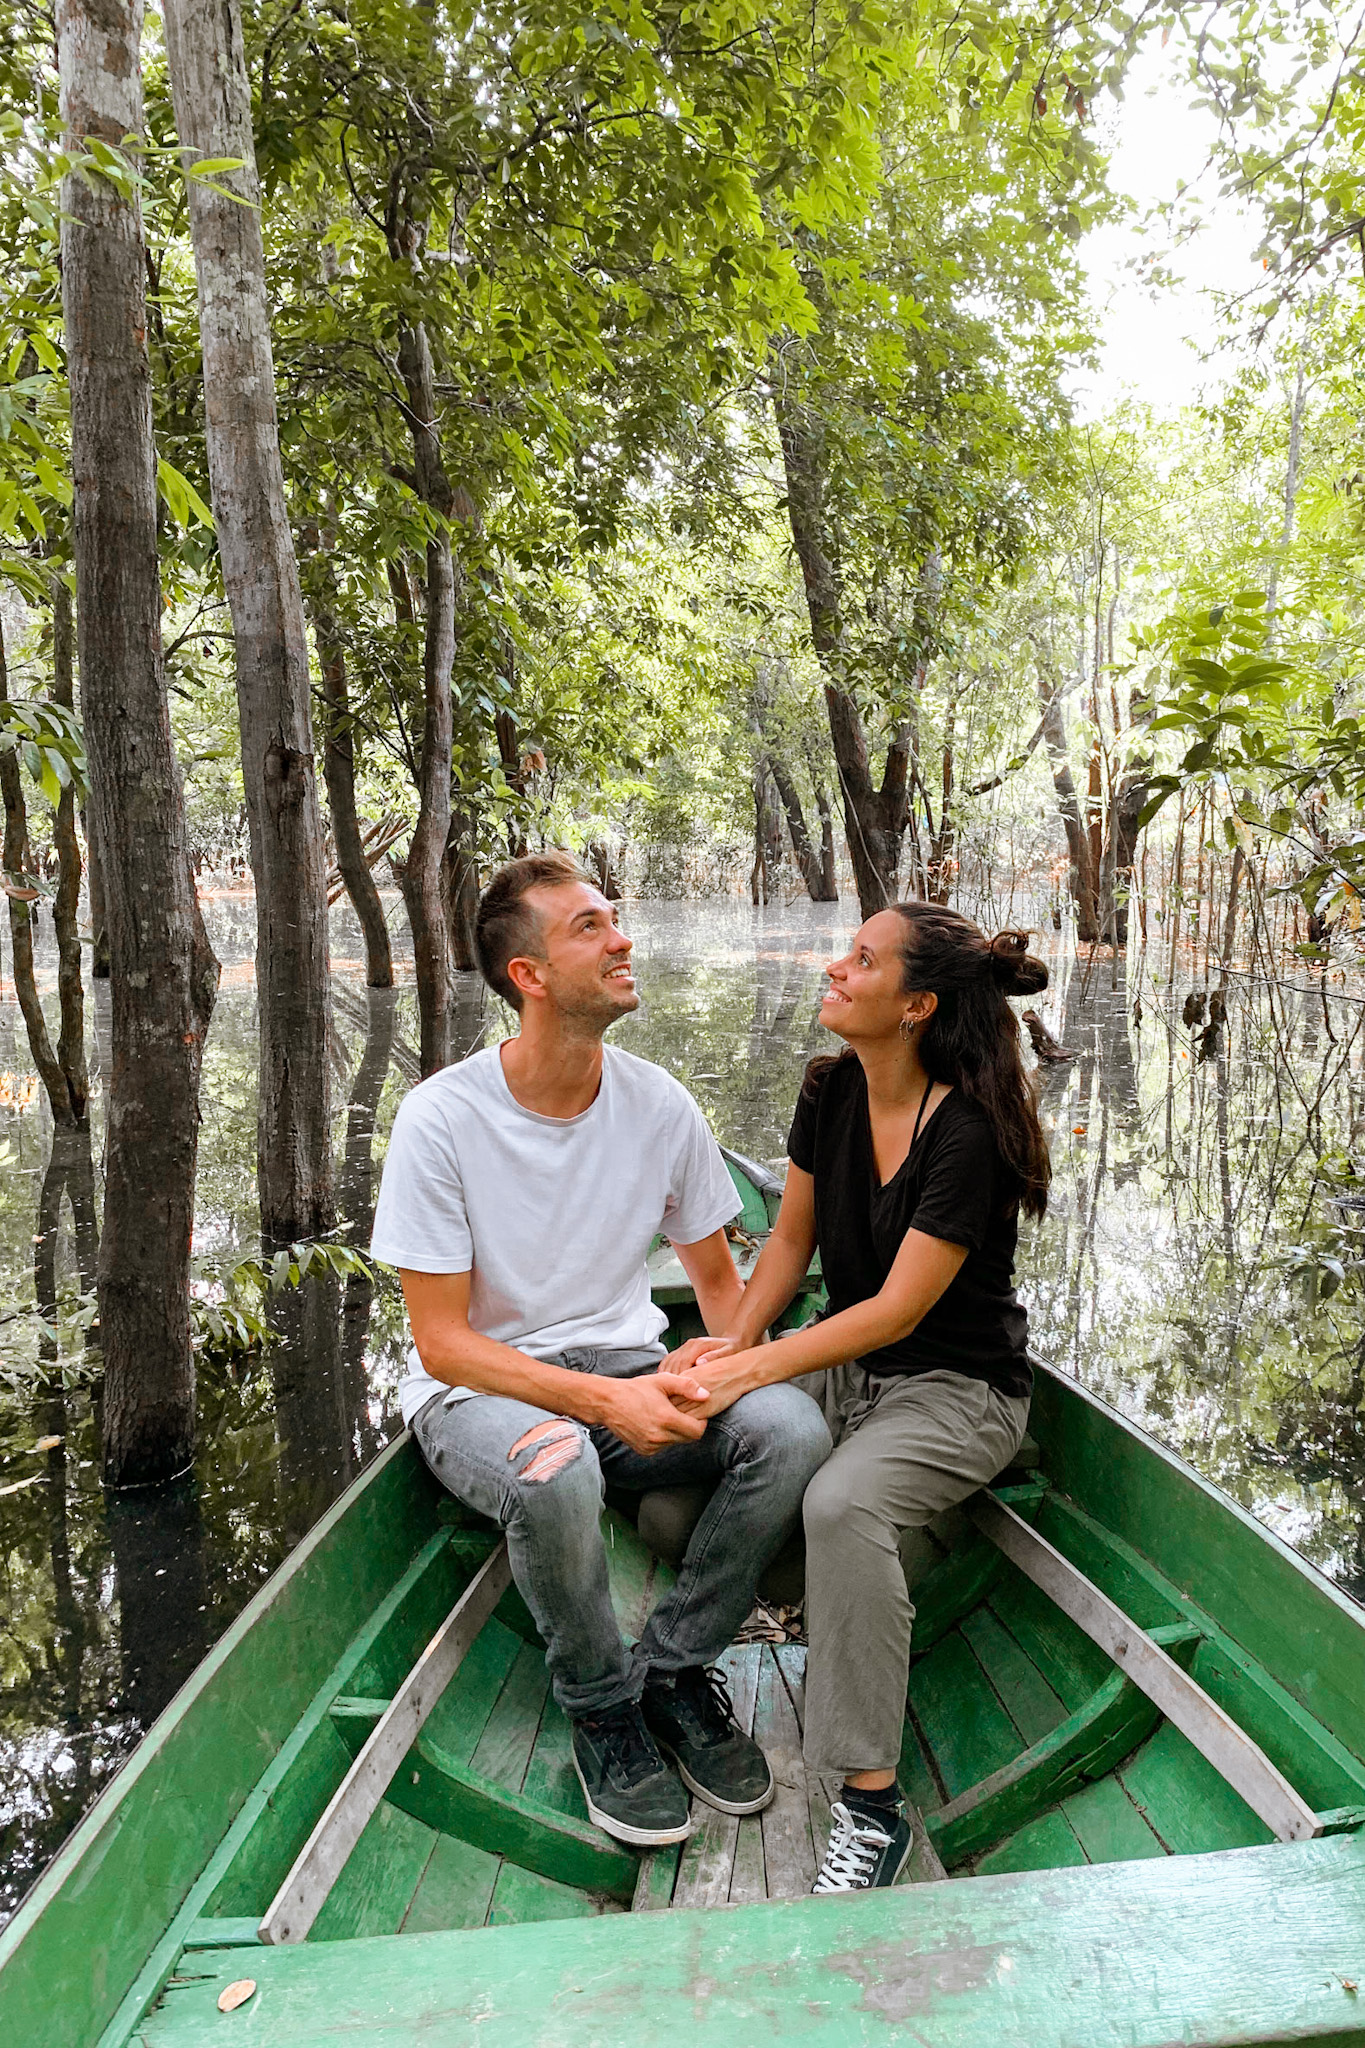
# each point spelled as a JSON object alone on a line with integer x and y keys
{"x": 865, "y": 998}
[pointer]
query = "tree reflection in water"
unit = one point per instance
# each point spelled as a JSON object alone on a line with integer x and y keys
{"x": 1182, "y": 1272}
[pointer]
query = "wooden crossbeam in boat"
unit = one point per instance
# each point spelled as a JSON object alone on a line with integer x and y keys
{"x": 320, "y": 1862}
{"x": 1230, "y": 1750}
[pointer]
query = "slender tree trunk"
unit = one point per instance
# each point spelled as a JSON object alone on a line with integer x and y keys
{"x": 66, "y": 907}
{"x": 939, "y": 877}
{"x": 1081, "y": 870}
{"x": 338, "y": 767}
{"x": 422, "y": 890}
{"x": 163, "y": 974}
{"x": 807, "y": 858}
{"x": 829, "y": 883}
{"x": 99, "y": 950}
{"x": 460, "y": 889}
{"x": 17, "y": 861}
{"x": 260, "y": 575}
{"x": 874, "y": 819}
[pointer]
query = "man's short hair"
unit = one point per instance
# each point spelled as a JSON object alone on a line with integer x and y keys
{"x": 505, "y": 925}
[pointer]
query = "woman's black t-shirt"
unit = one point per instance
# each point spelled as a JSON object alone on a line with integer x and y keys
{"x": 952, "y": 1184}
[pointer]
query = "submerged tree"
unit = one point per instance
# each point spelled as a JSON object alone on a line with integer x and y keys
{"x": 162, "y": 970}
{"x": 212, "y": 98}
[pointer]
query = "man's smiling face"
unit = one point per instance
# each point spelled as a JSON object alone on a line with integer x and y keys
{"x": 584, "y": 965}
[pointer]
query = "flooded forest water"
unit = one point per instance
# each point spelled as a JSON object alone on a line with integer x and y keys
{"x": 1198, "y": 1268}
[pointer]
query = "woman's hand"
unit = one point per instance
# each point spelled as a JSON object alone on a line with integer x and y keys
{"x": 725, "y": 1372}
{"x": 685, "y": 1357}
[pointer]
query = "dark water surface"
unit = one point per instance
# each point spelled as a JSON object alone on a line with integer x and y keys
{"x": 1197, "y": 1268}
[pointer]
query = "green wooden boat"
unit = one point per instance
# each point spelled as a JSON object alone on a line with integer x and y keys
{"x": 1135, "y": 1735}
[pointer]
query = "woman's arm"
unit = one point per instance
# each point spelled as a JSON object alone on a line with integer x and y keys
{"x": 924, "y": 1268}
{"x": 781, "y": 1267}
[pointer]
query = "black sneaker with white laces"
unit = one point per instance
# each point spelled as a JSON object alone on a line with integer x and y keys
{"x": 690, "y": 1716}
{"x": 631, "y": 1792}
{"x": 864, "y": 1853}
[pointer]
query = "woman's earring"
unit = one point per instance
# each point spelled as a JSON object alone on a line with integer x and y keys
{"x": 907, "y": 1028}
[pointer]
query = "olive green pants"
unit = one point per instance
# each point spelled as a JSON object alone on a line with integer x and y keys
{"x": 905, "y": 1449}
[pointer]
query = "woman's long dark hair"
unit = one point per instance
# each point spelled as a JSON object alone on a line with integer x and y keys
{"x": 972, "y": 1039}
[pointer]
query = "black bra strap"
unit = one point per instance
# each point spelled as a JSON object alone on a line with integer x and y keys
{"x": 919, "y": 1115}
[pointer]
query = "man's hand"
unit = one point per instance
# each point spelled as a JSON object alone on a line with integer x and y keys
{"x": 645, "y": 1414}
{"x": 686, "y": 1356}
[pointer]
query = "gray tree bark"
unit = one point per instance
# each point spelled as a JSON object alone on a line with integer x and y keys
{"x": 212, "y": 98}
{"x": 338, "y": 767}
{"x": 874, "y": 817}
{"x": 162, "y": 971}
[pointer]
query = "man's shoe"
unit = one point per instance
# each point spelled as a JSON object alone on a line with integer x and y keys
{"x": 690, "y": 1717}
{"x": 863, "y": 1854}
{"x": 630, "y": 1791}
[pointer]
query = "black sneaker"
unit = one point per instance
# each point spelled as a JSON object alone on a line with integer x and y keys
{"x": 630, "y": 1791}
{"x": 864, "y": 1854}
{"x": 690, "y": 1717}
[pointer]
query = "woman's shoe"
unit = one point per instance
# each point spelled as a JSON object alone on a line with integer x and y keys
{"x": 862, "y": 1856}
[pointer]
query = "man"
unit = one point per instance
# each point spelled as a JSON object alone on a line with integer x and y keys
{"x": 521, "y": 1193}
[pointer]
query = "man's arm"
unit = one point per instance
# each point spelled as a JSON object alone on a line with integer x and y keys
{"x": 709, "y": 1264}
{"x": 639, "y": 1411}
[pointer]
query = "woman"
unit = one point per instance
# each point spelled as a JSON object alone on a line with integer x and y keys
{"x": 912, "y": 1154}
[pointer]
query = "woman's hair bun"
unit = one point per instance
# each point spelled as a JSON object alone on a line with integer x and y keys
{"x": 1016, "y": 971}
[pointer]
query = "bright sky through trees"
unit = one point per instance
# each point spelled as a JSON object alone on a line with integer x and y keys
{"x": 1153, "y": 339}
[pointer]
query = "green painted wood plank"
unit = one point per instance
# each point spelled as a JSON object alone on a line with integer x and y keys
{"x": 382, "y": 1872}
{"x": 1028, "y": 1699}
{"x": 748, "y": 1873}
{"x": 1118, "y": 1956}
{"x": 915, "y": 1771}
{"x": 1269, "y": 1600}
{"x": 131, "y": 1865}
{"x": 658, "y": 1874}
{"x": 1310, "y": 1756}
{"x": 789, "y": 1854}
{"x": 461, "y": 1714}
{"x": 967, "y": 1729}
{"x": 504, "y": 1748}
{"x": 1071, "y": 1663}
{"x": 959, "y": 1582}
{"x": 1188, "y": 1804}
{"x": 708, "y": 1855}
{"x": 1087, "y": 1745}
{"x": 1047, "y": 1843}
{"x": 637, "y": 1577}
{"x": 455, "y": 1889}
{"x": 1107, "y": 1825}
{"x": 550, "y": 1776}
{"x": 521, "y": 1896}
{"x": 454, "y": 1800}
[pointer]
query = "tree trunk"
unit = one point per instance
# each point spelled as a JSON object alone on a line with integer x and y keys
{"x": 829, "y": 884}
{"x": 807, "y": 858}
{"x": 17, "y": 862}
{"x": 163, "y": 974}
{"x": 422, "y": 890}
{"x": 99, "y": 951}
{"x": 212, "y": 99}
{"x": 874, "y": 819}
{"x": 460, "y": 889}
{"x": 66, "y": 908}
{"x": 338, "y": 767}
{"x": 1082, "y": 876}
{"x": 939, "y": 877}
{"x": 767, "y": 834}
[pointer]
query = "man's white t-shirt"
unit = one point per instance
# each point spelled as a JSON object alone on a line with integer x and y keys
{"x": 552, "y": 1216}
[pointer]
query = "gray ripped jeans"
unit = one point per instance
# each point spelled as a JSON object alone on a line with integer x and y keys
{"x": 759, "y": 1454}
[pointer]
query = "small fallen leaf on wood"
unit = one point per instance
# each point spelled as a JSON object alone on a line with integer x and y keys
{"x": 236, "y": 1994}
{"x": 1349, "y": 1984}
{"x": 47, "y": 1443}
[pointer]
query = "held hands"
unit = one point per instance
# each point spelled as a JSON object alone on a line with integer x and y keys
{"x": 652, "y": 1413}
{"x": 725, "y": 1366}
